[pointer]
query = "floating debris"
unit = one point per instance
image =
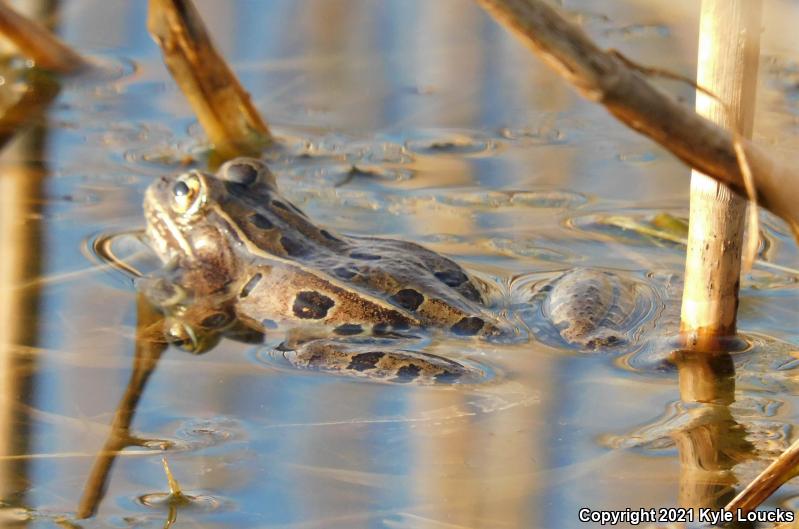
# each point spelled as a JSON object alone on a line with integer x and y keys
{"x": 449, "y": 142}
{"x": 639, "y": 31}
{"x": 535, "y": 136}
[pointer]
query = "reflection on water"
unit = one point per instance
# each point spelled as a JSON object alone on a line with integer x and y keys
{"x": 398, "y": 118}
{"x": 21, "y": 234}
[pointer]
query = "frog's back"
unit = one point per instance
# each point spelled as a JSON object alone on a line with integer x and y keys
{"x": 378, "y": 281}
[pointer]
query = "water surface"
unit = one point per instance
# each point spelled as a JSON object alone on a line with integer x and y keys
{"x": 463, "y": 142}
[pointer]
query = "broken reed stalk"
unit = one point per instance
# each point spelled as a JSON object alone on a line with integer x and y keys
{"x": 778, "y": 472}
{"x": 174, "y": 486}
{"x": 606, "y": 78}
{"x": 38, "y": 44}
{"x": 729, "y": 49}
{"x": 220, "y": 103}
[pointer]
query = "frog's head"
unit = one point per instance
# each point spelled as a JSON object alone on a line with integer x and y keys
{"x": 187, "y": 221}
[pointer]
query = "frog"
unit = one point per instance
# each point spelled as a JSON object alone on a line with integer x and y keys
{"x": 238, "y": 255}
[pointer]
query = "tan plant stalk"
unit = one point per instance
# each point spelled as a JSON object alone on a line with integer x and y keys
{"x": 37, "y": 43}
{"x": 778, "y": 472}
{"x": 729, "y": 46}
{"x": 220, "y": 103}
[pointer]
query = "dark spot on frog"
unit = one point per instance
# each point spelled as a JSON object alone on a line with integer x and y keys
{"x": 296, "y": 210}
{"x": 241, "y": 173}
{"x": 348, "y": 329}
{"x": 287, "y": 207}
{"x": 283, "y": 347}
{"x": 266, "y": 323}
{"x": 215, "y": 321}
{"x": 365, "y": 256}
{"x": 447, "y": 377}
{"x": 327, "y": 235}
{"x": 468, "y": 326}
{"x": 344, "y": 273}
{"x": 451, "y": 278}
{"x": 261, "y": 222}
{"x": 407, "y": 373}
{"x": 408, "y": 298}
{"x": 471, "y": 293}
{"x": 386, "y": 330}
{"x": 224, "y": 288}
{"x": 365, "y": 361}
{"x": 251, "y": 284}
{"x": 292, "y": 247}
{"x": 317, "y": 360}
{"x": 310, "y": 305}
{"x": 401, "y": 326}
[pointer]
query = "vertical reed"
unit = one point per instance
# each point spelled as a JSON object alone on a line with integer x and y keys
{"x": 729, "y": 46}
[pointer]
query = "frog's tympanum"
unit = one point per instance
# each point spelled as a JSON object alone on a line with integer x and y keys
{"x": 237, "y": 253}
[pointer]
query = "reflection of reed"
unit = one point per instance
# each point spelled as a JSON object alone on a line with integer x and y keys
{"x": 149, "y": 346}
{"x": 713, "y": 442}
{"x": 20, "y": 245}
{"x": 20, "y": 236}
{"x": 451, "y": 66}
{"x": 481, "y": 469}
{"x": 445, "y": 489}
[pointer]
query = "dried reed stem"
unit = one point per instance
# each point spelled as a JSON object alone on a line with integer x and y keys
{"x": 778, "y": 472}
{"x": 729, "y": 48}
{"x": 37, "y": 43}
{"x": 220, "y": 103}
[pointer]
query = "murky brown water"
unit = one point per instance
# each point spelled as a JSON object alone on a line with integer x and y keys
{"x": 461, "y": 141}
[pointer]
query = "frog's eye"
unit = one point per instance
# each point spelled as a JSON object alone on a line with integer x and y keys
{"x": 246, "y": 172}
{"x": 187, "y": 194}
